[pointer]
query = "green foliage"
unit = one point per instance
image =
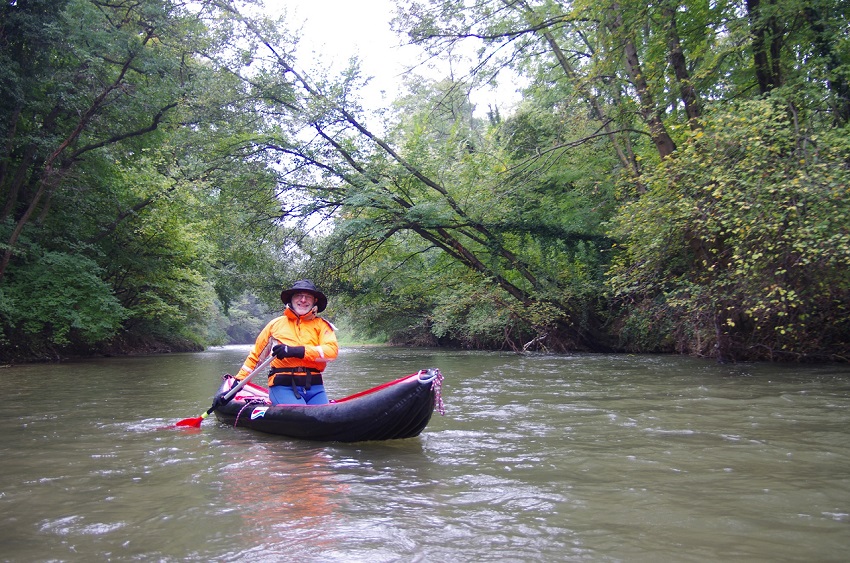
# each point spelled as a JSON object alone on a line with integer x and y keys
{"x": 472, "y": 316}
{"x": 246, "y": 318}
{"x": 63, "y": 300}
{"x": 156, "y": 179}
{"x": 174, "y": 164}
{"x": 741, "y": 243}
{"x": 379, "y": 301}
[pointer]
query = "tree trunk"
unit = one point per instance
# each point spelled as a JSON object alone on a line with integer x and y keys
{"x": 648, "y": 110}
{"x": 827, "y": 48}
{"x": 687, "y": 92}
{"x": 766, "y": 47}
{"x": 629, "y": 163}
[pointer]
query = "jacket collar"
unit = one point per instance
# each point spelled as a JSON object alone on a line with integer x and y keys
{"x": 290, "y": 314}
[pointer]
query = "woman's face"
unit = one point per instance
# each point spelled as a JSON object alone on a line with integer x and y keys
{"x": 302, "y": 303}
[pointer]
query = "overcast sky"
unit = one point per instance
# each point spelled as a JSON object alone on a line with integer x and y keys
{"x": 334, "y": 30}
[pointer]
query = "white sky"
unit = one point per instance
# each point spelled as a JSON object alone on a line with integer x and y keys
{"x": 334, "y": 30}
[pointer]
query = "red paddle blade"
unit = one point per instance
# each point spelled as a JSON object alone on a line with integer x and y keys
{"x": 192, "y": 422}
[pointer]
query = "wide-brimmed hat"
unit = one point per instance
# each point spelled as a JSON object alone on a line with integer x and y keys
{"x": 305, "y": 286}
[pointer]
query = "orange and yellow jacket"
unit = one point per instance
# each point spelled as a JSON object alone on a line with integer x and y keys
{"x": 314, "y": 333}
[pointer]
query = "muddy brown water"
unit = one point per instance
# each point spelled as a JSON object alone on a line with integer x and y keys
{"x": 538, "y": 458}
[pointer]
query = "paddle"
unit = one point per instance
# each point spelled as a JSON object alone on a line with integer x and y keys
{"x": 196, "y": 421}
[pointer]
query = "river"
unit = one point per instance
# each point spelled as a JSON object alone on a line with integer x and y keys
{"x": 538, "y": 458}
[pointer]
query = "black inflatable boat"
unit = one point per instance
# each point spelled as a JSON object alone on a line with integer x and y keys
{"x": 396, "y": 409}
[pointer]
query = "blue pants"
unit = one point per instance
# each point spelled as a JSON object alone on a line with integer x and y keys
{"x": 283, "y": 395}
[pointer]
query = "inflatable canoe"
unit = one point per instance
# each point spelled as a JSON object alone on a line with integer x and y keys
{"x": 397, "y": 409}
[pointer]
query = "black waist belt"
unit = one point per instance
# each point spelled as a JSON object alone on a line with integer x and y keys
{"x": 295, "y": 377}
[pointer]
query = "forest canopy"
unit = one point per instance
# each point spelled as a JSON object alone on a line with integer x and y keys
{"x": 675, "y": 178}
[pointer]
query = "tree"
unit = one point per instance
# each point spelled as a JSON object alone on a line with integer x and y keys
{"x": 180, "y": 154}
{"x": 101, "y": 94}
{"x": 425, "y": 178}
{"x": 663, "y": 72}
{"x": 125, "y": 149}
{"x": 742, "y": 241}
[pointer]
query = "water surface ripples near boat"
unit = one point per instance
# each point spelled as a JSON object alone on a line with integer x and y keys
{"x": 538, "y": 458}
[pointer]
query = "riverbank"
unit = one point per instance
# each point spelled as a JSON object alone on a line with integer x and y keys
{"x": 117, "y": 347}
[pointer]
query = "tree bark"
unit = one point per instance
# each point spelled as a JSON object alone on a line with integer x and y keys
{"x": 826, "y": 46}
{"x": 687, "y": 92}
{"x": 766, "y": 47}
{"x": 648, "y": 109}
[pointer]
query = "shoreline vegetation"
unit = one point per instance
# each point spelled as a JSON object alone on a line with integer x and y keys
{"x": 675, "y": 179}
{"x": 151, "y": 347}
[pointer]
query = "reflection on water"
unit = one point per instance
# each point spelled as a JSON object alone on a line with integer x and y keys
{"x": 292, "y": 493}
{"x": 538, "y": 458}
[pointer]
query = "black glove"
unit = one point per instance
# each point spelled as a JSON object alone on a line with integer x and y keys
{"x": 220, "y": 401}
{"x": 283, "y": 351}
